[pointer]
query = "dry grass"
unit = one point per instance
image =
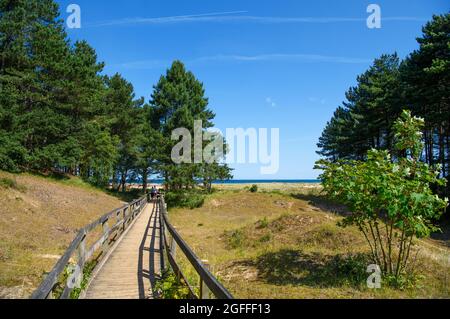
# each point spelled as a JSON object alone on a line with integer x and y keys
{"x": 39, "y": 217}
{"x": 284, "y": 244}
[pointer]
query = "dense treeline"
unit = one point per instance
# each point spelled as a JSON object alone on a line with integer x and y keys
{"x": 420, "y": 83}
{"x": 58, "y": 113}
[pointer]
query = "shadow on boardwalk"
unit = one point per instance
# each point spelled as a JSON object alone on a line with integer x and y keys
{"x": 150, "y": 248}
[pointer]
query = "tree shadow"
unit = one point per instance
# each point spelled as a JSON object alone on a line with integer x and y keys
{"x": 444, "y": 235}
{"x": 53, "y": 175}
{"x": 294, "y": 267}
{"x": 321, "y": 202}
{"x": 127, "y": 196}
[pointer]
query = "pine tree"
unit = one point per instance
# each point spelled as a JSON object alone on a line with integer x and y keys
{"x": 426, "y": 81}
{"x": 178, "y": 100}
{"x": 420, "y": 83}
{"x": 125, "y": 121}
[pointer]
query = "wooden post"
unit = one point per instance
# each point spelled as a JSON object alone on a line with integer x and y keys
{"x": 82, "y": 253}
{"x": 204, "y": 290}
{"x": 173, "y": 247}
{"x": 81, "y": 261}
{"x": 105, "y": 237}
{"x": 124, "y": 226}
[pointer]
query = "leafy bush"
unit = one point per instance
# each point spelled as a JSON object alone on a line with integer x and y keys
{"x": 407, "y": 281}
{"x": 349, "y": 269}
{"x": 390, "y": 199}
{"x": 169, "y": 287}
{"x": 188, "y": 199}
{"x": 254, "y": 189}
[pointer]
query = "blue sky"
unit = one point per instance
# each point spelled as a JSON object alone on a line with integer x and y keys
{"x": 264, "y": 64}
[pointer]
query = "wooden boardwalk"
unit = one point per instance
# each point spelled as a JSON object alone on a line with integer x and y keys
{"x": 130, "y": 267}
{"x": 133, "y": 265}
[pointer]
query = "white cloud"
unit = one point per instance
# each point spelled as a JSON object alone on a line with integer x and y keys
{"x": 167, "y": 20}
{"x": 234, "y": 16}
{"x": 317, "y": 100}
{"x": 281, "y": 57}
{"x": 285, "y": 57}
{"x": 271, "y": 102}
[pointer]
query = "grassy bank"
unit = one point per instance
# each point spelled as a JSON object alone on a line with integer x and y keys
{"x": 284, "y": 242}
{"x": 39, "y": 217}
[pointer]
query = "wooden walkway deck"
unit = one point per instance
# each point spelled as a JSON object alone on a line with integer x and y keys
{"x": 130, "y": 271}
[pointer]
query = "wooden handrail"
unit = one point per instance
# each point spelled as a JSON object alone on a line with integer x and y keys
{"x": 216, "y": 288}
{"x": 124, "y": 215}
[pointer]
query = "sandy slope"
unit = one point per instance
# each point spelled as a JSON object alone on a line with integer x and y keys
{"x": 38, "y": 219}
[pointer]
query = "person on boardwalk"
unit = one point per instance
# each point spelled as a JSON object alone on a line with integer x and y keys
{"x": 153, "y": 192}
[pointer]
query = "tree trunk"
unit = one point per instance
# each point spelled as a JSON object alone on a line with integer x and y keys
{"x": 114, "y": 180}
{"x": 124, "y": 181}
{"x": 144, "y": 180}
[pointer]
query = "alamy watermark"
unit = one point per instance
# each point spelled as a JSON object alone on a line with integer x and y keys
{"x": 74, "y": 19}
{"x": 374, "y": 280}
{"x": 374, "y": 20}
{"x": 244, "y": 146}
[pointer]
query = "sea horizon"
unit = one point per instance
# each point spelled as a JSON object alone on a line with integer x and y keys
{"x": 248, "y": 181}
{"x": 269, "y": 181}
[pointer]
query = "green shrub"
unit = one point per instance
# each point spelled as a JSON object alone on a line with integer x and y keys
{"x": 188, "y": 199}
{"x": 389, "y": 195}
{"x": 195, "y": 201}
{"x": 87, "y": 274}
{"x": 169, "y": 287}
{"x": 235, "y": 238}
{"x": 405, "y": 281}
{"x": 351, "y": 269}
{"x": 254, "y": 189}
{"x": 263, "y": 223}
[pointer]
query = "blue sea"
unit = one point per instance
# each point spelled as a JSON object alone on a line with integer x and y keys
{"x": 269, "y": 181}
{"x": 256, "y": 181}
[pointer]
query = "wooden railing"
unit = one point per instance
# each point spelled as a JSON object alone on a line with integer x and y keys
{"x": 170, "y": 240}
{"x": 122, "y": 218}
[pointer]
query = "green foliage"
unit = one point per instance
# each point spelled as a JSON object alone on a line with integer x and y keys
{"x": 365, "y": 120}
{"x": 169, "y": 287}
{"x": 235, "y": 238}
{"x": 419, "y": 83}
{"x": 210, "y": 172}
{"x": 406, "y": 281}
{"x": 296, "y": 267}
{"x": 263, "y": 223}
{"x": 58, "y": 113}
{"x": 390, "y": 199}
{"x": 189, "y": 199}
{"x": 177, "y": 101}
{"x": 87, "y": 274}
{"x": 67, "y": 273}
{"x": 254, "y": 189}
{"x": 348, "y": 269}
